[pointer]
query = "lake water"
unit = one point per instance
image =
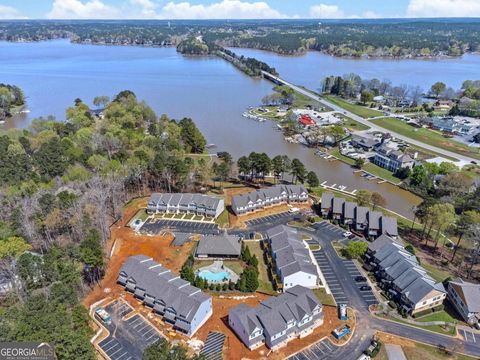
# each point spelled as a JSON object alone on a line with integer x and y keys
{"x": 210, "y": 90}
{"x": 310, "y": 69}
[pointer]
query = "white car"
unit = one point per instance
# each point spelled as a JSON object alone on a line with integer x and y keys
{"x": 347, "y": 234}
{"x": 293, "y": 210}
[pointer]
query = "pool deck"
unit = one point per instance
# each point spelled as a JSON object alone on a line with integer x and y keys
{"x": 217, "y": 267}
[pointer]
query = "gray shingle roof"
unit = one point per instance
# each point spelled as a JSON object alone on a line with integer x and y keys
{"x": 361, "y": 214}
{"x": 288, "y": 191}
{"x": 469, "y": 293}
{"x": 291, "y": 252}
{"x": 389, "y": 225}
{"x": 274, "y": 313}
{"x": 374, "y": 219}
{"x": 327, "y": 199}
{"x": 161, "y": 284}
{"x": 219, "y": 245}
{"x": 338, "y": 205}
{"x": 176, "y": 199}
{"x": 349, "y": 212}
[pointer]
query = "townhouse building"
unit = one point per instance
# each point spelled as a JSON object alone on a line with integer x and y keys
{"x": 267, "y": 197}
{"x": 274, "y": 322}
{"x": 293, "y": 261}
{"x": 183, "y": 306}
{"x": 198, "y": 204}
{"x": 399, "y": 273}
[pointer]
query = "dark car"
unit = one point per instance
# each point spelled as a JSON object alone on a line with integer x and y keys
{"x": 360, "y": 278}
{"x": 365, "y": 288}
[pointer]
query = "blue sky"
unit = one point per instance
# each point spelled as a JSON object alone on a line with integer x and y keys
{"x": 209, "y": 9}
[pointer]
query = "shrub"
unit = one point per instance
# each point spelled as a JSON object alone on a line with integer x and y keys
{"x": 392, "y": 304}
{"x": 410, "y": 249}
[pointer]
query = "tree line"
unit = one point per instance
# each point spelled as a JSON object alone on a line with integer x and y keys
{"x": 62, "y": 184}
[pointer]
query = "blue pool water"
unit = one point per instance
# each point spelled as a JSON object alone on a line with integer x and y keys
{"x": 213, "y": 276}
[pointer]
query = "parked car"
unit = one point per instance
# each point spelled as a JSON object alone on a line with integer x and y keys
{"x": 347, "y": 234}
{"x": 365, "y": 288}
{"x": 360, "y": 278}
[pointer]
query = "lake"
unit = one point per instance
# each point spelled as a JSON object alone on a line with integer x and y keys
{"x": 310, "y": 69}
{"x": 211, "y": 91}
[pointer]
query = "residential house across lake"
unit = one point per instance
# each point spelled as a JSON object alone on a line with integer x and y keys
{"x": 277, "y": 320}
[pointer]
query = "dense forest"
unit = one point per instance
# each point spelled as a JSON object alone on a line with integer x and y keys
{"x": 10, "y": 96}
{"x": 62, "y": 184}
{"x": 354, "y": 38}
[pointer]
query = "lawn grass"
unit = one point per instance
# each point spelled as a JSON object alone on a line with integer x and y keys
{"x": 141, "y": 214}
{"x": 381, "y": 172}
{"x": 314, "y": 247}
{"x": 325, "y": 299}
{"x": 435, "y": 328}
{"x": 427, "y": 136}
{"x": 235, "y": 265}
{"x": 427, "y": 352}
{"x": 336, "y": 152}
{"x": 438, "y": 316}
{"x": 265, "y": 284}
{"x": 222, "y": 220}
{"x": 352, "y": 124}
{"x": 359, "y": 110}
{"x": 197, "y": 264}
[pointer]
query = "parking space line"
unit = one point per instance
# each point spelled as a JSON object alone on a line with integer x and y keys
{"x": 121, "y": 348}
{"x": 125, "y": 353}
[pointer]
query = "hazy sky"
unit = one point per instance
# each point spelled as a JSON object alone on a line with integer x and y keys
{"x": 235, "y": 9}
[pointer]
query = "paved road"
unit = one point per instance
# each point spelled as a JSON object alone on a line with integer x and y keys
{"x": 370, "y": 124}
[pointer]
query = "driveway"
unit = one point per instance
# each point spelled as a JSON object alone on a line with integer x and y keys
{"x": 267, "y": 222}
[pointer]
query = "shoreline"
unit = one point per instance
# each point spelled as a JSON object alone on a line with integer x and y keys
{"x": 298, "y": 54}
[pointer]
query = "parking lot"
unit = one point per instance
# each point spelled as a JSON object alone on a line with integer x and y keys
{"x": 129, "y": 335}
{"x": 469, "y": 336}
{"x": 331, "y": 277}
{"x": 319, "y": 351}
{"x": 156, "y": 226}
{"x": 269, "y": 221}
{"x": 353, "y": 271}
{"x": 339, "y": 273}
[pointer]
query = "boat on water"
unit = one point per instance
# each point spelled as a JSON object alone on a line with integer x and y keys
{"x": 210, "y": 146}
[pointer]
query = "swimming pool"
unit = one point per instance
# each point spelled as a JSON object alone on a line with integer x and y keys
{"x": 214, "y": 276}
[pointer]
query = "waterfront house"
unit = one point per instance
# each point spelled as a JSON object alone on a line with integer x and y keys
{"x": 178, "y": 303}
{"x": 465, "y": 297}
{"x": 399, "y": 273}
{"x": 337, "y": 210}
{"x": 267, "y": 197}
{"x": 361, "y": 220}
{"x": 198, "y": 204}
{"x": 391, "y": 159}
{"x": 292, "y": 259}
{"x": 274, "y": 322}
{"x": 349, "y": 212}
{"x": 326, "y": 204}
{"x": 374, "y": 223}
{"x": 365, "y": 141}
{"x": 218, "y": 247}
